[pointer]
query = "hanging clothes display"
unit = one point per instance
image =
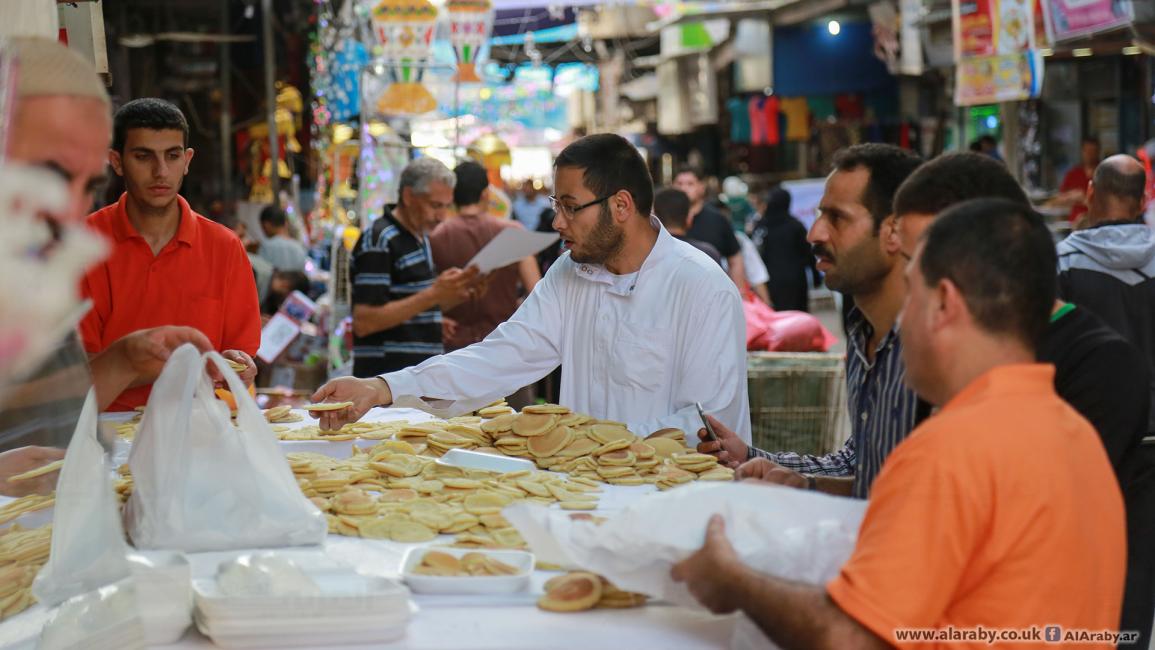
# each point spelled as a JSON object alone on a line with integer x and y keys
{"x": 797, "y": 114}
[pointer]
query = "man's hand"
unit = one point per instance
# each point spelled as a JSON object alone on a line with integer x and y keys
{"x": 452, "y": 287}
{"x": 146, "y": 351}
{"x": 731, "y": 451}
{"x": 710, "y": 573}
{"x": 25, "y": 459}
{"x": 767, "y": 471}
{"x": 364, "y": 393}
{"x": 250, "y": 372}
{"x": 448, "y": 327}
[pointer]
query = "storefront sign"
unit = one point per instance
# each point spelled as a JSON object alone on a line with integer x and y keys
{"x": 995, "y": 51}
{"x": 975, "y": 27}
{"x": 1076, "y": 18}
{"x": 993, "y": 79}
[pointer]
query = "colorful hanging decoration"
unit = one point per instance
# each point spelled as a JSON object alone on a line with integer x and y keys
{"x": 469, "y": 25}
{"x": 405, "y": 31}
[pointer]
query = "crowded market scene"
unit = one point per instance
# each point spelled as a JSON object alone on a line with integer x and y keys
{"x": 567, "y": 324}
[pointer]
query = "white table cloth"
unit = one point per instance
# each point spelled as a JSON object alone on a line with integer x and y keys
{"x": 500, "y": 622}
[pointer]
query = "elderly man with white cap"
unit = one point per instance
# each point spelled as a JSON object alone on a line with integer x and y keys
{"x": 61, "y": 122}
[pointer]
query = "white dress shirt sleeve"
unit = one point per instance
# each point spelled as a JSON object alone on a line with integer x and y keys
{"x": 519, "y": 352}
{"x": 713, "y": 370}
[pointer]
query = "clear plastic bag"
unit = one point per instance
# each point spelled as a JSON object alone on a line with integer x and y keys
{"x": 88, "y": 547}
{"x": 203, "y": 484}
{"x": 794, "y": 534}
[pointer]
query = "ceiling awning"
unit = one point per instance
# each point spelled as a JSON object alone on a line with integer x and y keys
{"x": 780, "y": 12}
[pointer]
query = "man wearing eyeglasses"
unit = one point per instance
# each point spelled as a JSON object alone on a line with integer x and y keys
{"x": 641, "y": 324}
{"x": 397, "y": 296}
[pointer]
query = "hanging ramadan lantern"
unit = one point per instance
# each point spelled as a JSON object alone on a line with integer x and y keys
{"x": 469, "y": 24}
{"x": 405, "y": 30}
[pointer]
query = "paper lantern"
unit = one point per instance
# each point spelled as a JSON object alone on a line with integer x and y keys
{"x": 405, "y": 31}
{"x": 491, "y": 151}
{"x": 469, "y": 25}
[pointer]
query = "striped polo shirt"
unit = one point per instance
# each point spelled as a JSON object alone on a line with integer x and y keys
{"x": 390, "y": 263}
{"x": 883, "y": 411}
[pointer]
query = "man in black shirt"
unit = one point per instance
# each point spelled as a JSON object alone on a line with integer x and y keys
{"x": 1097, "y": 372}
{"x": 397, "y": 297}
{"x": 672, "y": 208}
{"x": 708, "y": 225}
{"x": 781, "y": 241}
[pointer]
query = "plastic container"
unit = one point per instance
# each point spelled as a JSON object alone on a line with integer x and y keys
{"x": 478, "y": 460}
{"x": 164, "y": 590}
{"x": 423, "y": 584}
{"x": 104, "y": 618}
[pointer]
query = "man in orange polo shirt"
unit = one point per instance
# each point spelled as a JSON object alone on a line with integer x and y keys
{"x": 958, "y": 541}
{"x": 169, "y": 265}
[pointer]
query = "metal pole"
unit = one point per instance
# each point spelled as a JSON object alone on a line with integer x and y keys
{"x": 226, "y": 64}
{"x": 456, "y": 119}
{"x": 271, "y": 99}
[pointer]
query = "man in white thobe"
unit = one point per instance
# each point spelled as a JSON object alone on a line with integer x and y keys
{"x": 643, "y": 325}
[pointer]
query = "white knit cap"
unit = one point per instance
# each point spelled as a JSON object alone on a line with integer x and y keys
{"x": 48, "y": 67}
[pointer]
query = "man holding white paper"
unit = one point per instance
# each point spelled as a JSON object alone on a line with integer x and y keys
{"x": 641, "y": 324}
{"x": 456, "y": 243}
{"x": 397, "y": 295}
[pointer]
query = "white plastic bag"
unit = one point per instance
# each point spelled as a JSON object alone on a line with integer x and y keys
{"x": 202, "y": 484}
{"x": 88, "y": 547}
{"x": 793, "y": 534}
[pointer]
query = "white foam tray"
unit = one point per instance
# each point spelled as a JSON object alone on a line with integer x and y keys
{"x": 423, "y": 584}
{"x": 478, "y": 460}
{"x": 343, "y": 593}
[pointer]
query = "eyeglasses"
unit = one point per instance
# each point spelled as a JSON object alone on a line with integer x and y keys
{"x": 570, "y": 212}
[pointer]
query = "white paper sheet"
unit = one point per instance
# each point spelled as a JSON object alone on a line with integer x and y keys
{"x": 509, "y": 246}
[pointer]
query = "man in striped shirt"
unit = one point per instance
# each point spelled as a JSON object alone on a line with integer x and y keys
{"x": 858, "y": 249}
{"x": 397, "y": 297}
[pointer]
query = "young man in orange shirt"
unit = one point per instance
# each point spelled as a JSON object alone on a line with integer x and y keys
{"x": 955, "y": 536}
{"x": 169, "y": 265}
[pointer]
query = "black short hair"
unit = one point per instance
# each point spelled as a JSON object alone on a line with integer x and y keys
{"x": 610, "y": 164}
{"x": 1090, "y": 139}
{"x": 1120, "y": 185}
{"x": 274, "y": 216}
{"x": 953, "y": 178}
{"x": 472, "y": 181}
{"x": 690, "y": 169}
{"x": 888, "y": 166}
{"x": 147, "y": 113}
{"x": 1001, "y": 256}
{"x": 672, "y": 207}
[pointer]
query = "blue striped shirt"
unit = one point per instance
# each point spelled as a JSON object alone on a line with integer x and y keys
{"x": 389, "y": 263}
{"x": 883, "y": 411}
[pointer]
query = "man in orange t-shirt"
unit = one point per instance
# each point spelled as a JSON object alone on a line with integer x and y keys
{"x": 169, "y": 265}
{"x": 1001, "y": 512}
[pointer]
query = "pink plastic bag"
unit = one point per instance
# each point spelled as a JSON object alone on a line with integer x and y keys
{"x": 783, "y": 331}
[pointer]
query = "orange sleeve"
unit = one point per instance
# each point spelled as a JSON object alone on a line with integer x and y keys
{"x": 242, "y": 317}
{"x": 924, "y": 519}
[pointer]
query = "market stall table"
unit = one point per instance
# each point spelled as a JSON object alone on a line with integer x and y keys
{"x": 481, "y": 622}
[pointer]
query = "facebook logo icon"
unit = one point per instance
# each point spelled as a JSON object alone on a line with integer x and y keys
{"x": 1053, "y": 633}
